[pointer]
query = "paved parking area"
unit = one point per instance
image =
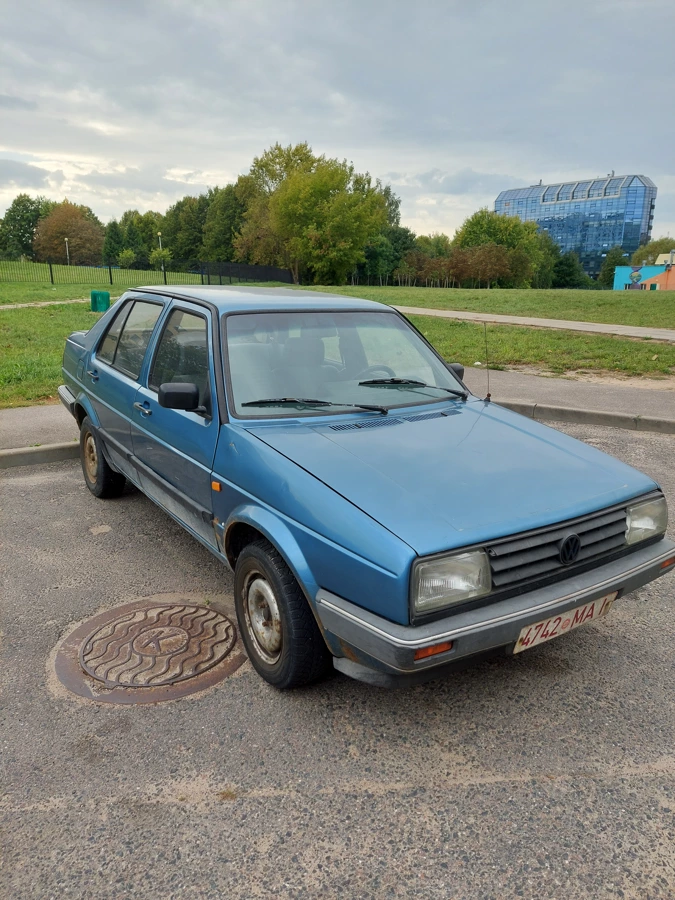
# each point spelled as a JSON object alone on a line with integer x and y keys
{"x": 547, "y": 775}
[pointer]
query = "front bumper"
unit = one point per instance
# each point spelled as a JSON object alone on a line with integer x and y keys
{"x": 374, "y": 649}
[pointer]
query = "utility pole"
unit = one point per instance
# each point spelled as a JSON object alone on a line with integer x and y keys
{"x": 67, "y": 252}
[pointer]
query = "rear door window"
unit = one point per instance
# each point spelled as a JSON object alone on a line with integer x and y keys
{"x": 108, "y": 345}
{"x": 132, "y": 341}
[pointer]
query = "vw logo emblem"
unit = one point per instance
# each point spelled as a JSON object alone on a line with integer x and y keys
{"x": 569, "y": 549}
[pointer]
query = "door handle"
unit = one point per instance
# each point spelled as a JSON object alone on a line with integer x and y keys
{"x": 93, "y": 374}
{"x": 143, "y": 410}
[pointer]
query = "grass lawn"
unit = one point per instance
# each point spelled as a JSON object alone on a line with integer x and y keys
{"x": 656, "y": 308}
{"x": 31, "y": 349}
{"x": 36, "y": 291}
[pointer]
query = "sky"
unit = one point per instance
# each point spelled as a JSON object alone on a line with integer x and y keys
{"x": 122, "y": 104}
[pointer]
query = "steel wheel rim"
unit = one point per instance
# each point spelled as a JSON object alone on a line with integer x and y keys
{"x": 90, "y": 457}
{"x": 263, "y": 620}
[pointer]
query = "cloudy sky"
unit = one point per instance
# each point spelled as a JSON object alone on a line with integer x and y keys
{"x": 134, "y": 103}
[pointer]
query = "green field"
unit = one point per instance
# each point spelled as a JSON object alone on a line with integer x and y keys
{"x": 31, "y": 349}
{"x": 83, "y": 280}
{"x": 655, "y": 308}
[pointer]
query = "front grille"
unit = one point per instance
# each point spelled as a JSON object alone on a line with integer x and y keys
{"x": 519, "y": 560}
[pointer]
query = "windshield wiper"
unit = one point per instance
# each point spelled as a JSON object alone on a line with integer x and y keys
{"x": 304, "y": 401}
{"x": 412, "y": 382}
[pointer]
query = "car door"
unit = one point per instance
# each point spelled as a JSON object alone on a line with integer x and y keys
{"x": 111, "y": 378}
{"x": 175, "y": 448}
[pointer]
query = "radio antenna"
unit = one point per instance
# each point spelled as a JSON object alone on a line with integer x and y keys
{"x": 488, "y": 396}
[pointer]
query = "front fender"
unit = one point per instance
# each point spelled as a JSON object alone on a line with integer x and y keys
{"x": 279, "y": 535}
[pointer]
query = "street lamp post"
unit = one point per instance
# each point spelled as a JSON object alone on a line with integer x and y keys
{"x": 67, "y": 252}
{"x": 159, "y": 235}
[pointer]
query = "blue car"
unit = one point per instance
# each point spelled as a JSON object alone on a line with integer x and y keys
{"x": 378, "y": 517}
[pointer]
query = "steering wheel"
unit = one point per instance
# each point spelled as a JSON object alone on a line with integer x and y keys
{"x": 372, "y": 369}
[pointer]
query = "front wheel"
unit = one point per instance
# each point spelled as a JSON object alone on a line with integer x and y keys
{"x": 99, "y": 477}
{"x": 279, "y": 631}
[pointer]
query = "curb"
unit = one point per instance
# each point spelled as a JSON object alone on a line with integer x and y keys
{"x": 573, "y": 416}
{"x": 32, "y": 456}
{"x": 51, "y": 453}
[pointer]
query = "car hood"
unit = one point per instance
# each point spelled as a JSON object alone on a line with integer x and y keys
{"x": 457, "y": 475}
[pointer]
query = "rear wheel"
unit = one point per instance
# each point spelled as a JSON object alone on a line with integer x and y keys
{"x": 99, "y": 477}
{"x": 279, "y": 631}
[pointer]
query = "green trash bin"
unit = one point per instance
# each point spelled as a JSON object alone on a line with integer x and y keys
{"x": 100, "y": 301}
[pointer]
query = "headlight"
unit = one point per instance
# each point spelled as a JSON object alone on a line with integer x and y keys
{"x": 448, "y": 580}
{"x": 646, "y": 520}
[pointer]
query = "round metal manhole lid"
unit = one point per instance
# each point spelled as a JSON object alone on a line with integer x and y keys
{"x": 148, "y": 651}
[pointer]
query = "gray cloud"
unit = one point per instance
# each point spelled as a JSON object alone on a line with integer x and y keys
{"x": 7, "y": 102}
{"x": 20, "y": 174}
{"x": 459, "y": 99}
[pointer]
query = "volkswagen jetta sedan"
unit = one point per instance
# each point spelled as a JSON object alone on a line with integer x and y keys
{"x": 376, "y": 514}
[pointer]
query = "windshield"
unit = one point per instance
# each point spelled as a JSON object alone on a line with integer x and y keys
{"x": 326, "y": 356}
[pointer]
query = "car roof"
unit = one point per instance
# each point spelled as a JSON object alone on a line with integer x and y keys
{"x": 251, "y": 299}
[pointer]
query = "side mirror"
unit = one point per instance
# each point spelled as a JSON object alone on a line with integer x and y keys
{"x": 458, "y": 370}
{"x": 179, "y": 396}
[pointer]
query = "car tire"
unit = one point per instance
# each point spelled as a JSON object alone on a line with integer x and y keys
{"x": 103, "y": 481}
{"x": 276, "y": 624}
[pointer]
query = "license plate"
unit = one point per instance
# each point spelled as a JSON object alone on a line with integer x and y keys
{"x": 551, "y": 628}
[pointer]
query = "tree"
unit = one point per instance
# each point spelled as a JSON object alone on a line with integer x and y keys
{"x": 434, "y": 245}
{"x": 113, "y": 243}
{"x": 402, "y": 241}
{"x": 569, "y": 273}
{"x": 379, "y": 259}
{"x": 134, "y": 242}
{"x": 183, "y": 230}
{"x": 648, "y": 253}
{"x": 485, "y": 227}
{"x": 146, "y": 226}
{"x": 223, "y": 222}
{"x": 550, "y": 254}
{"x": 613, "y": 259}
{"x": 159, "y": 259}
{"x": 324, "y": 218}
{"x": 273, "y": 167}
{"x": 17, "y": 228}
{"x": 126, "y": 258}
{"x": 84, "y": 232}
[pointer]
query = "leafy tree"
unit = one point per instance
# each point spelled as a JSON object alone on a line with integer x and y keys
{"x": 159, "y": 259}
{"x": 126, "y": 258}
{"x": 402, "y": 241}
{"x": 134, "y": 242}
{"x": 613, "y": 259}
{"x": 648, "y": 253}
{"x": 392, "y": 203}
{"x": 550, "y": 254}
{"x": 113, "y": 243}
{"x": 434, "y": 245}
{"x": 223, "y": 222}
{"x": 485, "y": 227}
{"x": 183, "y": 229}
{"x": 273, "y": 167}
{"x": 84, "y": 232}
{"x": 17, "y": 228}
{"x": 569, "y": 273}
{"x": 325, "y": 217}
{"x": 147, "y": 225}
{"x": 379, "y": 259}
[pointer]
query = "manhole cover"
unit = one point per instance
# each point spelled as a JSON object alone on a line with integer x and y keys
{"x": 148, "y": 651}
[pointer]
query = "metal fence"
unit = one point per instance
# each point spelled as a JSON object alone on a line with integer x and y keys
{"x": 174, "y": 272}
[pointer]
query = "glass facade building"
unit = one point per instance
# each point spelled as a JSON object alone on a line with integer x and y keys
{"x": 588, "y": 217}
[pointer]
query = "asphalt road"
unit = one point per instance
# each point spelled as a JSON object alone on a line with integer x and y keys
{"x": 547, "y": 775}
